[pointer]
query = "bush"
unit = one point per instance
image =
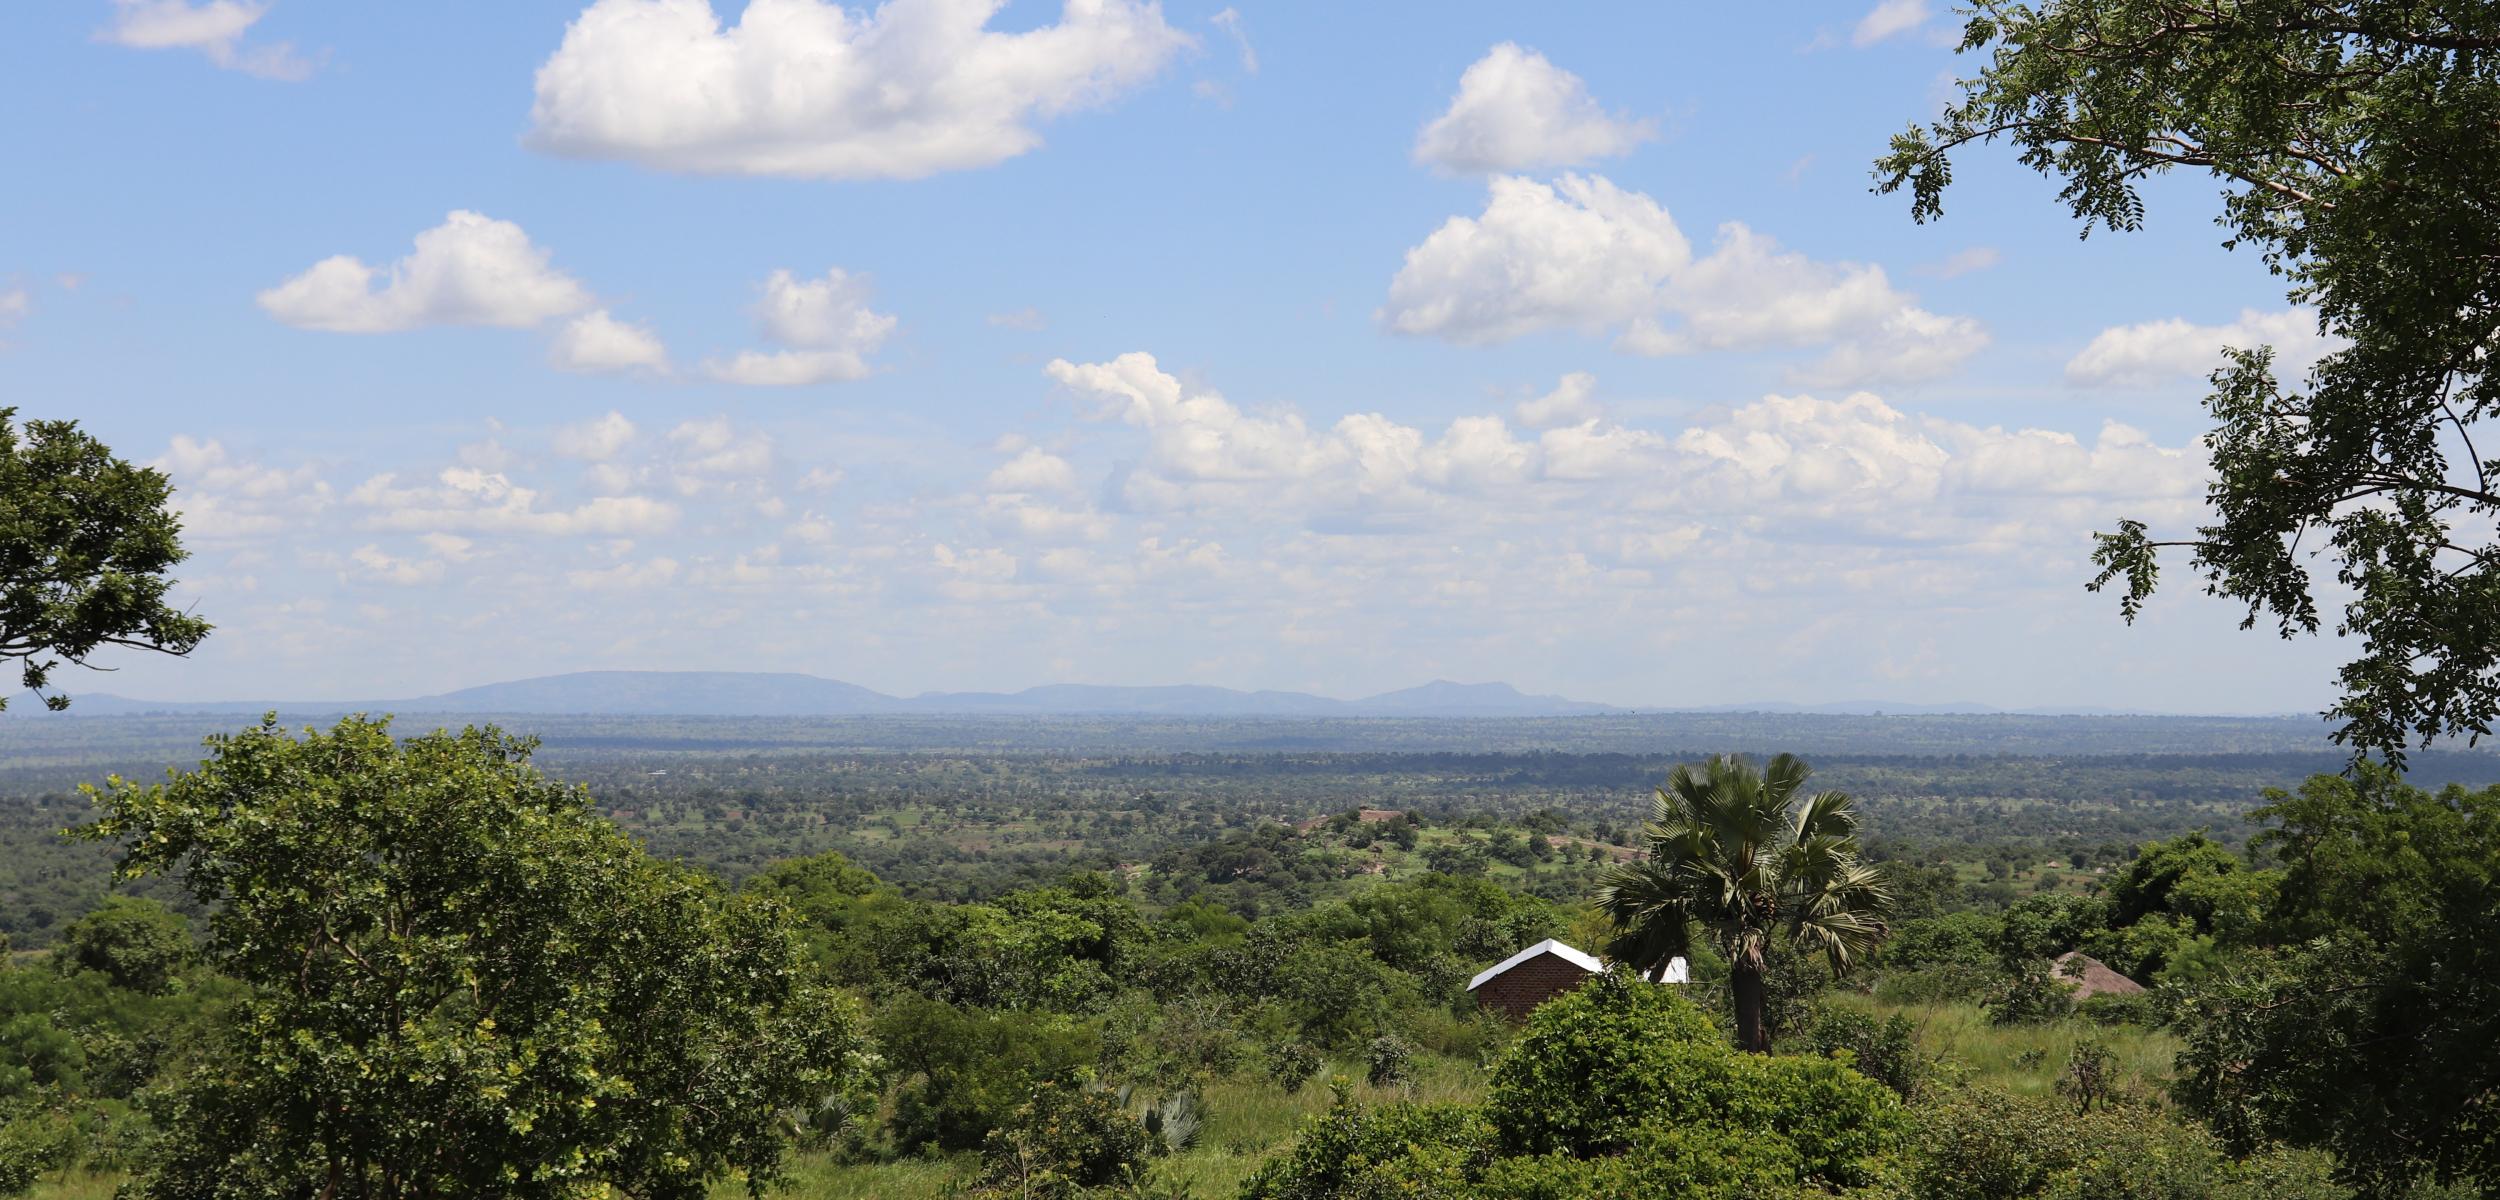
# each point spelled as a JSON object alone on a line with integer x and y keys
{"x": 1982, "y": 1144}
{"x": 1389, "y": 1061}
{"x": 1066, "y": 1137}
{"x": 1962, "y": 939}
{"x": 1291, "y": 1064}
{"x": 1689, "y": 1163}
{"x": 1415, "y": 1151}
{"x": 136, "y": 943}
{"x": 2028, "y": 995}
{"x": 964, "y": 1072}
{"x": 1600, "y": 1065}
{"x": 2143, "y": 1009}
{"x": 1884, "y": 1051}
{"x": 1933, "y": 985}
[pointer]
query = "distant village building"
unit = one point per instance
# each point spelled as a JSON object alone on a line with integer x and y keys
{"x": 1514, "y": 986}
{"x": 2091, "y": 977}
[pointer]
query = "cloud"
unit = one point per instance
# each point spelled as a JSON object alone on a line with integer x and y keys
{"x": 1582, "y": 254}
{"x": 222, "y": 496}
{"x": 15, "y": 305}
{"x": 1027, "y": 319}
{"x": 1577, "y": 253}
{"x": 379, "y": 567}
{"x": 1229, "y": 20}
{"x": 1889, "y": 19}
{"x": 596, "y": 440}
{"x": 712, "y": 448}
{"x": 214, "y": 28}
{"x": 625, "y": 576}
{"x": 1962, "y": 262}
{"x": 1567, "y": 404}
{"x": 807, "y": 88}
{"x": 825, "y": 326}
{"x": 2159, "y": 352}
{"x": 1033, "y": 470}
{"x": 469, "y": 270}
{"x": 467, "y": 498}
{"x": 1158, "y": 525}
{"x": 1515, "y": 111}
{"x": 597, "y": 342}
{"x": 1810, "y": 463}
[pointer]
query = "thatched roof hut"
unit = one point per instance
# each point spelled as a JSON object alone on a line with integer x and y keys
{"x": 2091, "y": 977}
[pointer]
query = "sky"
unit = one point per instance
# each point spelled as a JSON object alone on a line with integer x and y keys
{"x": 952, "y": 345}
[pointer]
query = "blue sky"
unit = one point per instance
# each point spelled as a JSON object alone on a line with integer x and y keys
{"x": 937, "y": 347}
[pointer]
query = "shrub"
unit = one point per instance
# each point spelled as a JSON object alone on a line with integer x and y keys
{"x": 1600, "y": 1064}
{"x": 963, "y": 1072}
{"x": 1689, "y": 1163}
{"x": 1291, "y": 1064}
{"x": 2028, "y": 995}
{"x": 1982, "y": 1144}
{"x": 1389, "y": 1061}
{"x": 1933, "y": 985}
{"x": 135, "y": 942}
{"x": 2140, "y": 1009}
{"x": 1412, "y": 1151}
{"x": 1066, "y": 1137}
{"x": 1884, "y": 1051}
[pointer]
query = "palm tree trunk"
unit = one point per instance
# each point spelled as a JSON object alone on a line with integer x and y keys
{"x": 1745, "y": 976}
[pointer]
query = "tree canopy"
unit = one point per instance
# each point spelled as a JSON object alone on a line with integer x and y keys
{"x": 85, "y": 541}
{"x": 2357, "y": 143}
{"x": 464, "y": 982}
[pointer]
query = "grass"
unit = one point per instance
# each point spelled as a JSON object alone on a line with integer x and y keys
{"x": 2027, "y": 1059}
{"x": 1246, "y": 1120}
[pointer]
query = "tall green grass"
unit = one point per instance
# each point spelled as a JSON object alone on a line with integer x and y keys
{"x": 2026, "y": 1059}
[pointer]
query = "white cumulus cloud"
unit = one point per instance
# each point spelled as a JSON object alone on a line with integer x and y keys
{"x": 469, "y": 270}
{"x": 595, "y": 440}
{"x": 809, "y": 88}
{"x": 2158, "y": 352}
{"x": 1515, "y": 111}
{"x": 1583, "y": 254}
{"x": 825, "y": 327}
{"x": 595, "y": 342}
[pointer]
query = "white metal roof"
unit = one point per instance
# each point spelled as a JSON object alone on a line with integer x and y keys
{"x": 1676, "y": 971}
{"x": 1558, "y": 949}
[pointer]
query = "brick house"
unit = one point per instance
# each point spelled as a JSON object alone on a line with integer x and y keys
{"x": 1516, "y": 985}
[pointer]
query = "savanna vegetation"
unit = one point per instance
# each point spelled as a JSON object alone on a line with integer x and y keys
{"x": 344, "y": 962}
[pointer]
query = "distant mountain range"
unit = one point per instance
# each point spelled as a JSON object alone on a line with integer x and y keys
{"x": 787, "y": 694}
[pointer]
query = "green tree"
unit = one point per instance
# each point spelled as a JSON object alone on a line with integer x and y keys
{"x": 464, "y": 982}
{"x": 85, "y": 541}
{"x": 137, "y": 943}
{"x": 2376, "y": 1033}
{"x": 1733, "y": 851}
{"x": 2357, "y": 143}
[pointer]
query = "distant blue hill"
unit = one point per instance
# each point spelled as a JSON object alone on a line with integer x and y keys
{"x": 788, "y": 694}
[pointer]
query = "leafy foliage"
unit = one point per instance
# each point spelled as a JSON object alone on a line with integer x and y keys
{"x": 1726, "y": 854}
{"x": 136, "y": 943}
{"x": 2375, "y": 1031}
{"x": 1068, "y": 1136}
{"x": 2358, "y": 144}
{"x": 85, "y": 541}
{"x": 465, "y": 981}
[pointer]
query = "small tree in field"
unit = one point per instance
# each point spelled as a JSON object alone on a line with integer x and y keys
{"x": 1733, "y": 852}
{"x": 465, "y": 983}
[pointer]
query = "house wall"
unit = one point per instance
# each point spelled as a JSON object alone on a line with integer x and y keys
{"x": 1516, "y": 992}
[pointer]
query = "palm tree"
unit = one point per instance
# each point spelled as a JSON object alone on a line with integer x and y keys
{"x": 1727, "y": 858}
